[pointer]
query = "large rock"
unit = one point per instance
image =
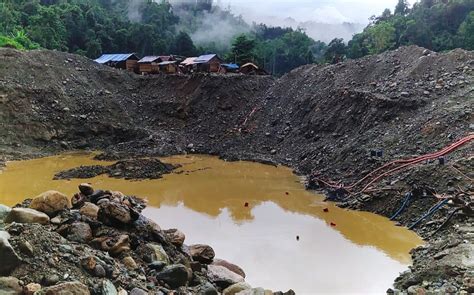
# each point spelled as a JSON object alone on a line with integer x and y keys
{"x": 26, "y": 215}
{"x": 86, "y": 189}
{"x": 138, "y": 291}
{"x": 176, "y": 237}
{"x": 108, "y": 288}
{"x": 158, "y": 253}
{"x": 236, "y": 288}
{"x": 90, "y": 210}
{"x": 174, "y": 275}
{"x": 223, "y": 277}
{"x": 122, "y": 245}
{"x": 10, "y": 286}
{"x": 80, "y": 232}
{"x": 4, "y": 210}
{"x": 50, "y": 202}
{"x": 229, "y": 266}
{"x": 202, "y": 253}
{"x": 69, "y": 288}
{"x": 112, "y": 212}
{"x": 207, "y": 289}
{"x": 129, "y": 263}
{"x": 31, "y": 288}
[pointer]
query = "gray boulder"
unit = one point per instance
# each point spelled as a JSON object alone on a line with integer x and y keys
{"x": 174, "y": 275}
{"x": 8, "y": 257}
{"x": 26, "y": 215}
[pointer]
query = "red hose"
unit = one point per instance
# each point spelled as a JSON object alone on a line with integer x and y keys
{"x": 405, "y": 163}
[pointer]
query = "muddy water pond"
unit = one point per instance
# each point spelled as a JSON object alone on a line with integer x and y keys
{"x": 338, "y": 252}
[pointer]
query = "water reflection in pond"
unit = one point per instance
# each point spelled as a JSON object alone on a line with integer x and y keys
{"x": 362, "y": 253}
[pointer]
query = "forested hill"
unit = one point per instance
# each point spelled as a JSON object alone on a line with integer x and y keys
{"x": 438, "y": 25}
{"x": 92, "y": 27}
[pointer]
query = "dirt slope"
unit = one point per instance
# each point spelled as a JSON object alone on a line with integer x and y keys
{"x": 53, "y": 100}
{"x": 322, "y": 120}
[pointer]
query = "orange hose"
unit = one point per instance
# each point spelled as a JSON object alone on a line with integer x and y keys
{"x": 405, "y": 162}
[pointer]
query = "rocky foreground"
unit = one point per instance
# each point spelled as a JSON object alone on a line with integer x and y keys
{"x": 98, "y": 242}
{"x": 324, "y": 121}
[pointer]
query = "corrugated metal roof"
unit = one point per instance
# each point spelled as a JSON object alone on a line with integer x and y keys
{"x": 231, "y": 66}
{"x": 105, "y": 58}
{"x": 250, "y": 65}
{"x": 188, "y": 61}
{"x": 166, "y": 57}
{"x": 156, "y": 58}
{"x": 204, "y": 58}
{"x": 167, "y": 63}
{"x": 148, "y": 59}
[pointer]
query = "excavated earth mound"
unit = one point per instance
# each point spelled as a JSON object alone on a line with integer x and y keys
{"x": 328, "y": 122}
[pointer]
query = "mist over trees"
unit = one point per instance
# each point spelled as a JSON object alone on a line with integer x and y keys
{"x": 438, "y": 25}
{"x": 189, "y": 28}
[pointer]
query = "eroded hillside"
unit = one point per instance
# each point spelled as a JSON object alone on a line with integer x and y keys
{"x": 323, "y": 120}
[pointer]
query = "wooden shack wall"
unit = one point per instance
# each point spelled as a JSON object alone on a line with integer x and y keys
{"x": 145, "y": 68}
{"x": 131, "y": 65}
{"x": 214, "y": 65}
{"x": 170, "y": 69}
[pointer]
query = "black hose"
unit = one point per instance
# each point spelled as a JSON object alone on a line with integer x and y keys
{"x": 404, "y": 204}
{"x": 446, "y": 221}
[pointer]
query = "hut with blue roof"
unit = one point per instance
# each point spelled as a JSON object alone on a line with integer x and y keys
{"x": 126, "y": 61}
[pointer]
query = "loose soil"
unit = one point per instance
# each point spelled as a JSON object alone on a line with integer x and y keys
{"x": 322, "y": 120}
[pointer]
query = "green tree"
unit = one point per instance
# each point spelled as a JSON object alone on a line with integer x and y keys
{"x": 466, "y": 32}
{"x": 382, "y": 37}
{"x": 402, "y": 7}
{"x": 8, "y": 18}
{"x": 47, "y": 28}
{"x": 336, "y": 51}
{"x": 183, "y": 45}
{"x": 242, "y": 50}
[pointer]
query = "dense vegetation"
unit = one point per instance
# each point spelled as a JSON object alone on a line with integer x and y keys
{"x": 434, "y": 24}
{"x": 91, "y": 27}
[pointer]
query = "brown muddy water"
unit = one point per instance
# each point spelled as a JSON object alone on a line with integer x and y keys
{"x": 361, "y": 254}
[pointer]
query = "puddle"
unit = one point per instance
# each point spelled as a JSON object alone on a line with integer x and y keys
{"x": 362, "y": 253}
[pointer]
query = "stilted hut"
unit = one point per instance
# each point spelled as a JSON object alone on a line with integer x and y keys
{"x": 208, "y": 63}
{"x": 127, "y": 61}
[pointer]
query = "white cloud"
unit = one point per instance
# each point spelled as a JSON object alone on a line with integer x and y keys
{"x": 327, "y": 11}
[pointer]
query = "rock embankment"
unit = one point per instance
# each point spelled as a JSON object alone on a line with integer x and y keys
{"x": 98, "y": 242}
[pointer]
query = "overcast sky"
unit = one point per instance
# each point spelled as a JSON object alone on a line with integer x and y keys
{"x": 327, "y": 11}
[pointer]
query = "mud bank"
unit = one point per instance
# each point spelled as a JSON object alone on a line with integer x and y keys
{"x": 324, "y": 121}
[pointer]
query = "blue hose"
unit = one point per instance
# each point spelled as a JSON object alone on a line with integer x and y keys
{"x": 404, "y": 204}
{"x": 429, "y": 213}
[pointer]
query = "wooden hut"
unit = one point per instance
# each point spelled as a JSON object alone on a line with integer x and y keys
{"x": 208, "y": 63}
{"x": 168, "y": 67}
{"x": 127, "y": 61}
{"x": 252, "y": 69}
{"x": 187, "y": 65}
{"x": 151, "y": 64}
